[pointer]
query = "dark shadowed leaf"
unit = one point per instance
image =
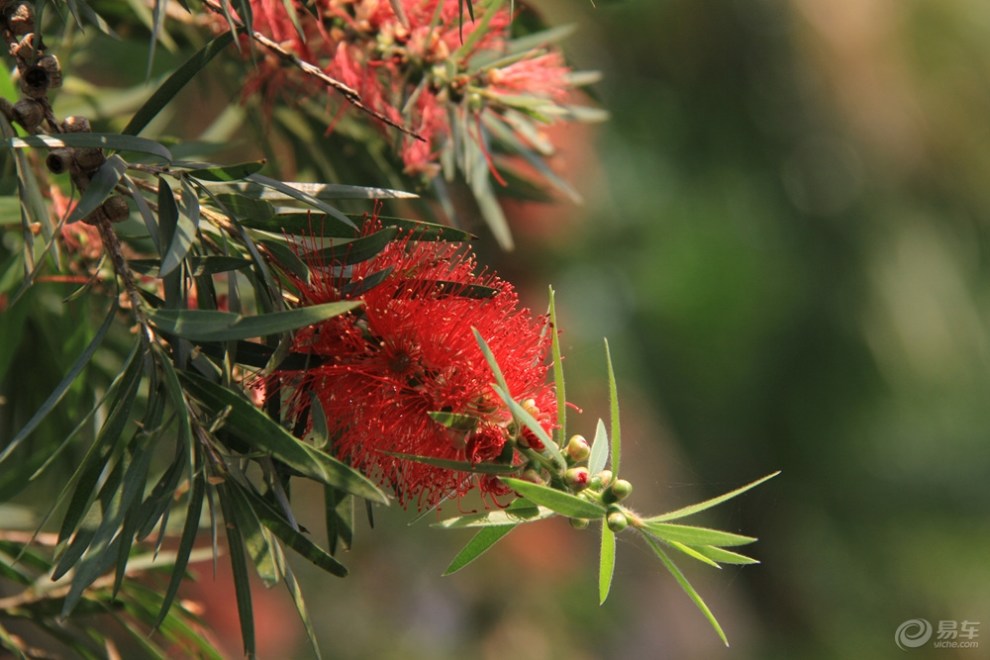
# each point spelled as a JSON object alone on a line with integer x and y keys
{"x": 214, "y": 325}
{"x": 264, "y": 434}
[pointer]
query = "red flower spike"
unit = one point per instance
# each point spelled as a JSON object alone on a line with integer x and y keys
{"x": 408, "y": 351}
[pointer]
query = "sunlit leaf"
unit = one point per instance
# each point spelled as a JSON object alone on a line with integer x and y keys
{"x": 477, "y": 546}
{"x": 686, "y": 586}
{"x": 707, "y": 504}
{"x": 691, "y": 535}
{"x": 563, "y": 503}
{"x": 606, "y": 563}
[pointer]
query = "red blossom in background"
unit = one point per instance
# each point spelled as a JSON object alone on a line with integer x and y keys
{"x": 409, "y": 351}
{"x": 417, "y": 73}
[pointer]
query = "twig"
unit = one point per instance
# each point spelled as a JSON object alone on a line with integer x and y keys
{"x": 349, "y": 93}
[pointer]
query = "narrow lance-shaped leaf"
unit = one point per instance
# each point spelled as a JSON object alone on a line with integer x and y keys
{"x": 559, "y": 501}
{"x": 264, "y": 434}
{"x": 520, "y": 511}
{"x": 168, "y": 89}
{"x": 242, "y": 584}
{"x": 274, "y": 521}
{"x": 707, "y": 504}
{"x": 694, "y": 535}
{"x": 686, "y": 586}
{"x": 522, "y": 415}
{"x": 599, "y": 449}
{"x": 114, "y": 141}
{"x": 613, "y": 404}
{"x": 213, "y": 325}
{"x": 477, "y": 546}
{"x": 186, "y": 541}
{"x": 606, "y": 563}
{"x": 63, "y": 387}
{"x": 100, "y": 187}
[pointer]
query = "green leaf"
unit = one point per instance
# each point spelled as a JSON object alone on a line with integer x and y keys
{"x": 693, "y": 554}
{"x": 264, "y": 434}
{"x": 277, "y": 523}
{"x": 100, "y": 188}
{"x": 691, "y": 535}
{"x": 353, "y": 251}
{"x": 262, "y": 549}
{"x": 490, "y": 359}
{"x": 186, "y": 541}
{"x": 262, "y": 188}
{"x": 520, "y": 511}
{"x": 521, "y": 415}
{"x": 297, "y": 598}
{"x": 296, "y": 191}
{"x": 686, "y": 586}
{"x": 184, "y": 233}
{"x": 563, "y": 503}
{"x": 221, "y": 173}
{"x": 458, "y": 466}
{"x": 723, "y": 556}
{"x": 613, "y": 404}
{"x": 245, "y": 209}
{"x": 212, "y": 325}
{"x": 477, "y": 546}
{"x": 707, "y": 504}
{"x": 114, "y": 141}
{"x": 339, "y": 518}
{"x": 606, "y": 564}
{"x": 242, "y": 584}
{"x": 63, "y": 387}
{"x": 560, "y": 433}
{"x": 168, "y": 89}
{"x": 599, "y": 449}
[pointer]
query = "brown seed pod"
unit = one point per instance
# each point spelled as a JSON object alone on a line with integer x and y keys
{"x": 59, "y": 160}
{"x": 34, "y": 82}
{"x": 88, "y": 160}
{"x": 116, "y": 208}
{"x": 52, "y": 67}
{"x": 75, "y": 124}
{"x": 19, "y": 18}
{"x": 29, "y": 114}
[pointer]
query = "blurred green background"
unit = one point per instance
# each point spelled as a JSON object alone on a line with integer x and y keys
{"x": 785, "y": 238}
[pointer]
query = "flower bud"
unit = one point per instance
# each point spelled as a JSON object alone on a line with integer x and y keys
{"x": 577, "y": 448}
{"x": 532, "y": 476}
{"x": 577, "y": 477}
{"x": 579, "y": 523}
{"x": 603, "y": 479}
{"x": 621, "y": 489}
{"x": 617, "y": 521}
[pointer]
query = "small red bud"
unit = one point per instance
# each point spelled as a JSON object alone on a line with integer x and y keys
{"x": 577, "y": 477}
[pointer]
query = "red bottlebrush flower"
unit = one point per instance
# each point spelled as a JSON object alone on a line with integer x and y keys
{"x": 409, "y": 351}
{"x": 417, "y": 72}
